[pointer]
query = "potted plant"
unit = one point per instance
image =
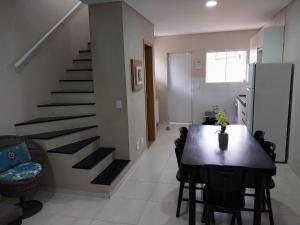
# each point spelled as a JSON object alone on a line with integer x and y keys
{"x": 222, "y": 119}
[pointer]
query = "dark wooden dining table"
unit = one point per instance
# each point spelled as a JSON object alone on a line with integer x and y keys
{"x": 202, "y": 149}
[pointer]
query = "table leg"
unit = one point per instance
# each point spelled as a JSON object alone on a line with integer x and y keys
{"x": 259, "y": 190}
{"x": 192, "y": 200}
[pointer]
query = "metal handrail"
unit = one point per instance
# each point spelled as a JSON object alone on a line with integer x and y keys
{"x": 27, "y": 55}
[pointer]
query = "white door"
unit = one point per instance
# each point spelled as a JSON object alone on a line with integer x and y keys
{"x": 180, "y": 87}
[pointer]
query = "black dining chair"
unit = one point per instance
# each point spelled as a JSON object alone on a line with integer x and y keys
{"x": 224, "y": 192}
{"x": 259, "y": 135}
{"x": 269, "y": 148}
{"x": 183, "y": 132}
{"x": 182, "y": 176}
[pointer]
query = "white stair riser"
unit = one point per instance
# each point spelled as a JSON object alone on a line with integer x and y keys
{"x": 67, "y": 139}
{"x": 96, "y": 170}
{"x": 79, "y": 75}
{"x": 68, "y": 184}
{"x": 74, "y": 97}
{"x": 77, "y": 86}
{"x": 55, "y": 125}
{"x": 66, "y": 110}
{"x": 72, "y": 182}
{"x": 85, "y": 55}
{"x": 71, "y": 159}
{"x": 59, "y": 164}
{"x": 82, "y": 64}
{"x": 87, "y": 150}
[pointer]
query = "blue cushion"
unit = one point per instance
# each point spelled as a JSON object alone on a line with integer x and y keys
{"x": 22, "y": 172}
{"x": 13, "y": 156}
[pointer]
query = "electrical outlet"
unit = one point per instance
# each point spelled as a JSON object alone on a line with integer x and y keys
{"x": 137, "y": 145}
{"x": 142, "y": 140}
{"x": 119, "y": 104}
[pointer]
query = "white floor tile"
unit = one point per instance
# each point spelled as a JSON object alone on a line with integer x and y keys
{"x": 145, "y": 174}
{"x": 165, "y": 193}
{"x": 99, "y": 222}
{"x": 169, "y": 176}
{"x": 161, "y": 213}
{"x": 63, "y": 220}
{"x": 123, "y": 210}
{"x": 87, "y": 207}
{"x": 38, "y": 219}
{"x": 136, "y": 190}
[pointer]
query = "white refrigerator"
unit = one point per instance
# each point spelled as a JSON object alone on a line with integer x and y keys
{"x": 269, "y": 90}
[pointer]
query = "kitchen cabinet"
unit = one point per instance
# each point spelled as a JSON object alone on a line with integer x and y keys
{"x": 266, "y": 46}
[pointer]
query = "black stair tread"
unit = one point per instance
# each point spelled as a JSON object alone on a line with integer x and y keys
{"x": 111, "y": 172}
{"x": 74, "y": 147}
{"x": 72, "y": 92}
{"x": 59, "y": 133}
{"x": 65, "y": 104}
{"x": 93, "y": 159}
{"x": 82, "y": 60}
{"x": 76, "y": 80}
{"x": 52, "y": 119}
{"x": 84, "y": 50}
{"x": 79, "y": 70}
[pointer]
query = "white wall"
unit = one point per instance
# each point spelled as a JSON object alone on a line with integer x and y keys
{"x": 22, "y": 23}
{"x": 106, "y": 22}
{"x": 277, "y": 20}
{"x": 136, "y": 30}
{"x": 292, "y": 55}
{"x": 117, "y": 33}
{"x": 205, "y": 95}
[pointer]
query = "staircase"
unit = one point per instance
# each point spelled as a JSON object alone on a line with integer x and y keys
{"x": 67, "y": 129}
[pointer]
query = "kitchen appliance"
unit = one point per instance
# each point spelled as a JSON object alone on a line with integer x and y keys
{"x": 268, "y": 93}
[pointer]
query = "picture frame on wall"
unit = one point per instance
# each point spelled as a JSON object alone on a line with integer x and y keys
{"x": 137, "y": 75}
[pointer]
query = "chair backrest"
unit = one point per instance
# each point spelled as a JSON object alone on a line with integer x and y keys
{"x": 259, "y": 135}
{"x": 225, "y": 186}
{"x": 179, "y": 145}
{"x": 183, "y": 131}
{"x": 37, "y": 153}
{"x": 269, "y": 148}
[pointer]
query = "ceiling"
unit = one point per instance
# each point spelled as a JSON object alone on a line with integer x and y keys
{"x": 175, "y": 17}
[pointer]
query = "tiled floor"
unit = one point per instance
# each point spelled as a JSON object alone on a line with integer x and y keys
{"x": 149, "y": 195}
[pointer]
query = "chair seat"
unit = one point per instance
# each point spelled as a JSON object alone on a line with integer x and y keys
{"x": 24, "y": 171}
{"x": 183, "y": 177}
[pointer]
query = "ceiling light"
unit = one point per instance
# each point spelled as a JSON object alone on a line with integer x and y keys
{"x": 211, "y": 3}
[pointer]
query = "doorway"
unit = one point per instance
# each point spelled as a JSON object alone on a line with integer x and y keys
{"x": 180, "y": 87}
{"x": 149, "y": 92}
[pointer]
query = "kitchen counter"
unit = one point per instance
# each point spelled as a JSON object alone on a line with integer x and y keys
{"x": 242, "y": 99}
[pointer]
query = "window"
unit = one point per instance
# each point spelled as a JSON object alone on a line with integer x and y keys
{"x": 226, "y": 66}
